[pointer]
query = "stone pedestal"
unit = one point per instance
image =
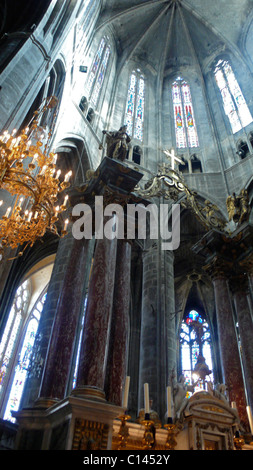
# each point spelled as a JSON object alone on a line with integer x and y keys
{"x": 71, "y": 424}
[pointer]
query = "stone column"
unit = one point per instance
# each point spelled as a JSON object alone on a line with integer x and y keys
{"x": 230, "y": 358}
{"x": 240, "y": 292}
{"x": 119, "y": 335}
{"x": 96, "y": 331}
{"x": 62, "y": 341}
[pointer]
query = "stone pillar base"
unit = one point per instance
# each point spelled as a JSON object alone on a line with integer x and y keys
{"x": 74, "y": 423}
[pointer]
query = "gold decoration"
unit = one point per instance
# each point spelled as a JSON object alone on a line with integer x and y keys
{"x": 28, "y": 172}
{"x": 171, "y": 441}
{"x": 148, "y": 441}
{"x": 169, "y": 183}
{"x": 123, "y": 432}
{"x": 90, "y": 435}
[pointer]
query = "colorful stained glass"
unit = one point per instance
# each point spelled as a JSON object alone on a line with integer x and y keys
{"x": 100, "y": 77}
{"x": 139, "y": 118}
{"x": 134, "y": 116}
{"x": 183, "y": 115}
{"x": 23, "y": 364}
{"x": 234, "y": 104}
{"x": 11, "y": 332}
{"x": 192, "y": 345}
{"x": 95, "y": 67}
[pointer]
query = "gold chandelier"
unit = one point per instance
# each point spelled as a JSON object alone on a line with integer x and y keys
{"x": 28, "y": 173}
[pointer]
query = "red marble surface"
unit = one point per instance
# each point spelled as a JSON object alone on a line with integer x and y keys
{"x": 230, "y": 359}
{"x": 94, "y": 350}
{"x": 117, "y": 357}
{"x": 62, "y": 341}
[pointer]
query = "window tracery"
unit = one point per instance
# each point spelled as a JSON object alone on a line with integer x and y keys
{"x": 234, "y": 103}
{"x": 185, "y": 126}
{"x": 97, "y": 73}
{"x": 16, "y": 348}
{"x": 134, "y": 115}
{"x": 195, "y": 341}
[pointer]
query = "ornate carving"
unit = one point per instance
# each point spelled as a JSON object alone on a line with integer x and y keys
{"x": 117, "y": 143}
{"x": 90, "y": 435}
{"x": 238, "y": 207}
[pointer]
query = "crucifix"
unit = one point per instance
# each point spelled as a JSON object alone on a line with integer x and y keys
{"x": 172, "y": 156}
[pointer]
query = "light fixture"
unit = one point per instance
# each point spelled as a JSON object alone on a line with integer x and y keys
{"x": 28, "y": 173}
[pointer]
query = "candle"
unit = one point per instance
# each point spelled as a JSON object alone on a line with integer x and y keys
{"x": 146, "y": 398}
{"x": 67, "y": 176}
{"x": 65, "y": 200}
{"x": 8, "y": 212}
{"x": 169, "y": 402}
{"x": 249, "y": 412}
{"x": 126, "y": 391}
{"x": 65, "y": 225}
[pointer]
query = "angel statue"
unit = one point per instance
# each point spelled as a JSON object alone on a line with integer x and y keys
{"x": 238, "y": 207}
{"x": 118, "y": 143}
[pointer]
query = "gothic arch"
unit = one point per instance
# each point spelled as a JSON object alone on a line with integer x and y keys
{"x": 73, "y": 155}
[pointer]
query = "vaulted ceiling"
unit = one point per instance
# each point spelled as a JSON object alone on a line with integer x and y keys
{"x": 166, "y": 33}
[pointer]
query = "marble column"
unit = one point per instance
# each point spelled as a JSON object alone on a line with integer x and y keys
{"x": 119, "y": 335}
{"x": 245, "y": 323}
{"x": 62, "y": 341}
{"x": 96, "y": 331}
{"x": 230, "y": 358}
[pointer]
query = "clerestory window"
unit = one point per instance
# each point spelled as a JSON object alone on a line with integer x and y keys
{"x": 184, "y": 120}
{"x": 98, "y": 70}
{"x": 234, "y": 104}
{"x": 134, "y": 114}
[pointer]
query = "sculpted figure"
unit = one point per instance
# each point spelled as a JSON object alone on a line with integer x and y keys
{"x": 180, "y": 390}
{"x": 238, "y": 206}
{"x": 117, "y": 143}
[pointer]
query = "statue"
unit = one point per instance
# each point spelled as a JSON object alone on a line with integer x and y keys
{"x": 180, "y": 390}
{"x": 117, "y": 143}
{"x": 238, "y": 207}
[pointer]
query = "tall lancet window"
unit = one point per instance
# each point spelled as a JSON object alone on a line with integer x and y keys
{"x": 97, "y": 73}
{"x": 234, "y": 104}
{"x": 185, "y": 126}
{"x": 134, "y": 116}
{"x": 195, "y": 344}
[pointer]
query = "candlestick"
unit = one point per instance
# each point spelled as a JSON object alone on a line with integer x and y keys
{"x": 125, "y": 399}
{"x": 146, "y": 398}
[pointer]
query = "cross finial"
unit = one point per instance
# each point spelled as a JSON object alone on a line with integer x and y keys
{"x": 172, "y": 156}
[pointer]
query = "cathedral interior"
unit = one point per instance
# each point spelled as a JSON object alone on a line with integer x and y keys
{"x": 119, "y": 332}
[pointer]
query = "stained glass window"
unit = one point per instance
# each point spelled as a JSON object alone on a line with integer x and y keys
{"x": 234, "y": 104}
{"x": 134, "y": 116}
{"x": 97, "y": 72}
{"x": 11, "y": 332}
{"x": 195, "y": 341}
{"x": 23, "y": 363}
{"x": 185, "y": 127}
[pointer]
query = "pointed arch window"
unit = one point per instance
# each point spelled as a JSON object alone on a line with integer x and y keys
{"x": 98, "y": 71}
{"x": 134, "y": 115}
{"x": 234, "y": 104}
{"x": 195, "y": 342}
{"x": 185, "y": 126}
